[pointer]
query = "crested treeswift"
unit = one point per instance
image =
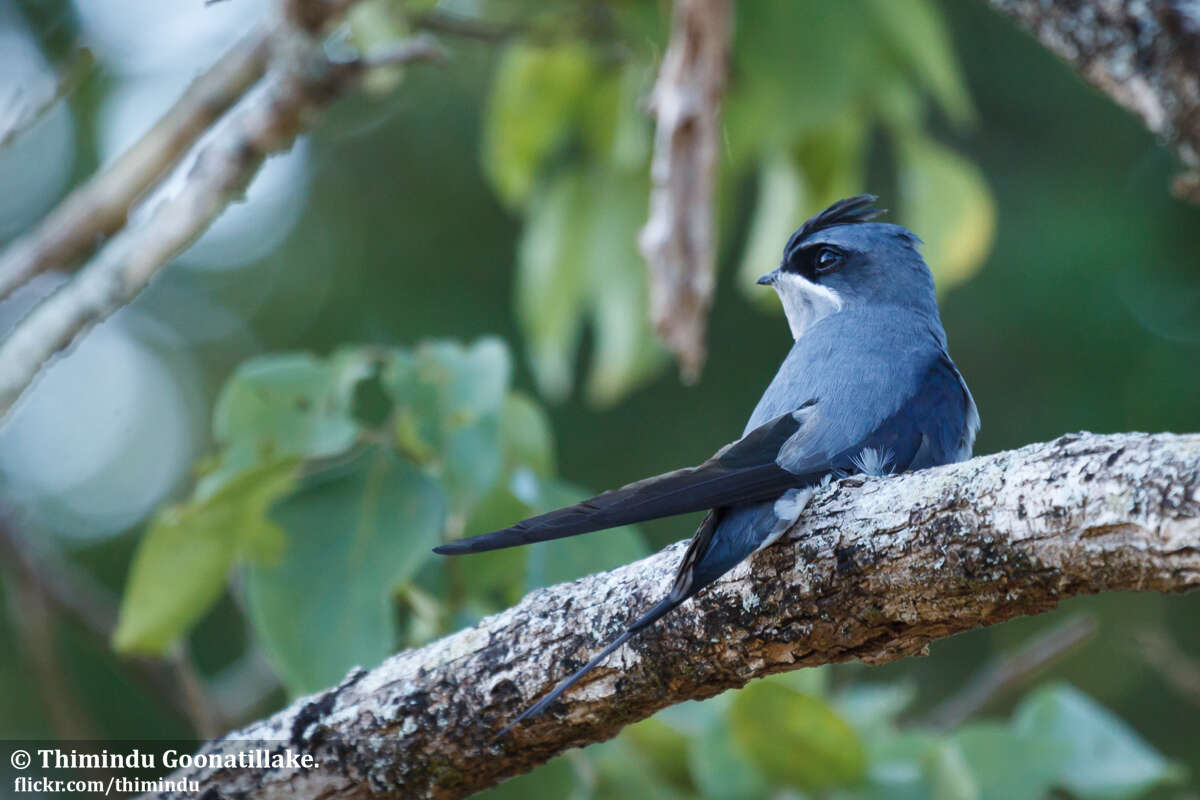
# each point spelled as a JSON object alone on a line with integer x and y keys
{"x": 867, "y": 387}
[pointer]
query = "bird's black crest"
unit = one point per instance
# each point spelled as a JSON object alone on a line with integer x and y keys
{"x": 851, "y": 210}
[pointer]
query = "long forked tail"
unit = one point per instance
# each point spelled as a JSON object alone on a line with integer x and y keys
{"x": 711, "y": 485}
{"x": 688, "y": 581}
{"x": 660, "y": 609}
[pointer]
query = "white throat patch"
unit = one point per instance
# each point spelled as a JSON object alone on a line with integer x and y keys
{"x": 804, "y": 302}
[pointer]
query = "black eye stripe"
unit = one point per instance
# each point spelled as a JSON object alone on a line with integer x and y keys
{"x": 813, "y": 260}
{"x": 791, "y": 251}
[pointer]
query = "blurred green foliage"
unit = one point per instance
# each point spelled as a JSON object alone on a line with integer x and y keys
{"x": 331, "y": 475}
{"x": 791, "y": 736}
{"x": 333, "y": 480}
{"x": 566, "y": 146}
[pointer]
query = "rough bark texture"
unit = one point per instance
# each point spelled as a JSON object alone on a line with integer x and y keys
{"x": 677, "y": 240}
{"x": 874, "y": 570}
{"x": 1145, "y": 54}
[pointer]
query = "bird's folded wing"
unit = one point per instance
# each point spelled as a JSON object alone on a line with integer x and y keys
{"x": 889, "y": 417}
{"x": 903, "y": 421}
{"x": 743, "y": 471}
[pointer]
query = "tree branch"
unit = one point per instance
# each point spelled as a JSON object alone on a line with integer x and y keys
{"x": 100, "y": 207}
{"x": 1181, "y": 672}
{"x": 874, "y": 570}
{"x": 301, "y": 82}
{"x": 25, "y": 112}
{"x": 677, "y": 240}
{"x": 1144, "y": 55}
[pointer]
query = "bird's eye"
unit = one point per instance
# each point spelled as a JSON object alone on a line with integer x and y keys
{"x": 827, "y": 260}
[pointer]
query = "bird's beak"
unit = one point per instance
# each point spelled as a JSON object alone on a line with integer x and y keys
{"x": 768, "y": 279}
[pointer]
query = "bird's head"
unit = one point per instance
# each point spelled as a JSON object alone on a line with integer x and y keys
{"x": 839, "y": 259}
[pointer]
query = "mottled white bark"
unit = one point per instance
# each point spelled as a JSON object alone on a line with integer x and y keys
{"x": 1144, "y": 54}
{"x": 874, "y": 570}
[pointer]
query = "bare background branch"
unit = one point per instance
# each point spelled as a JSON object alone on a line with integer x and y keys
{"x": 1010, "y": 673}
{"x": 679, "y": 241}
{"x": 21, "y": 111}
{"x": 101, "y": 205}
{"x": 874, "y": 570}
{"x": 1180, "y": 671}
{"x": 301, "y": 82}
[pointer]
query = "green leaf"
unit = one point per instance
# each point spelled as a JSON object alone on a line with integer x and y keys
{"x": 528, "y": 448}
{"x": 916, "y": 31}
{"x": 622, "y": 773}
{"x": 897, "y": 764}
{"x": 287, "y": 405}
{"x": 916, "y": 34}
{"x": 498, "y": 580}
{"x": 481, "y": 375}
{"x": 811, "y": 681}
{"x": 1007, "y": 765}
{"x": 663, "y": 747}
{"x": 795, "y": 739}
{"x": 1102, "y": 757}
{"x": 525, "y": 434}
{"x": 534, "y": 102}
{"x": 374, "y": 26}
{"x": 633, "y": 136}
{"x": 695, "y": 717}
{"x": 718, "y": 771}
{"x": 834, "y": 160}
{"x": 775, "y": 42}
{"x": 778, "y": 210}
{"x": 449, "y": 401}
{"x": 613, "y": 124}
{"x": 565, "y": 560}
{"x": 627, "y": 349}
{"x": 449, "y": 385}
{"x": 873, "y": 705}
{"x": 554, "y": 779}
{"x": 551, "y": 281}
{"x": 950, "y": 776}
{"x": 471, "y": 462}
{"x": 183, "y": 561}
{"x": 578, "y": 259}
{"x": 947, "y": 199}
{"x": 355, "y": 534}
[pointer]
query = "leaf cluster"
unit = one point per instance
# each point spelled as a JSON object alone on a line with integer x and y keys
{"x": 332, "y": 480}
{"x": 791, "y": 736}
{"x": 566, "y": 145}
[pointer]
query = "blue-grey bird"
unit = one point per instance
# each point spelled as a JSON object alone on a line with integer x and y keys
{"x": 868, "y": 387}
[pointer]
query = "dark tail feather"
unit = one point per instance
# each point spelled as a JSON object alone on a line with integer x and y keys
{"x": 684, "y": 586}
{"x": 661, "y": 609}
{"x": 710, "y": 485}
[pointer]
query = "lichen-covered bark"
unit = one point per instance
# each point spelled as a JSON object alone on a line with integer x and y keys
{"x": 1145, "y": 54}
{"x": 874, "y": 570}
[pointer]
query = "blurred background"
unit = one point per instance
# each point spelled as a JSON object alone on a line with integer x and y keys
{"x": 453, "y": 249}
